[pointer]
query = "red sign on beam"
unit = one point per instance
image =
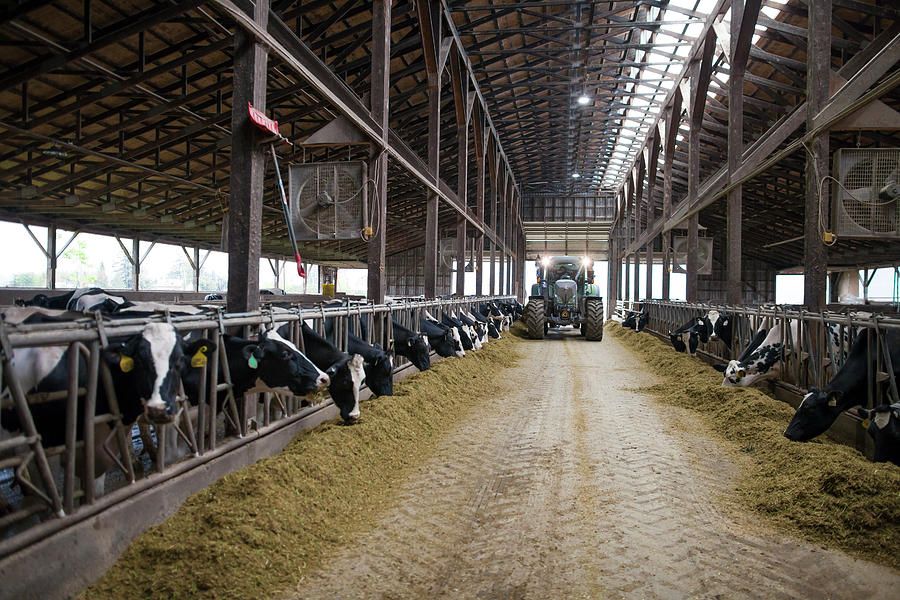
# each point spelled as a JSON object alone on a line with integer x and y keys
{"x": 263, "y": 121}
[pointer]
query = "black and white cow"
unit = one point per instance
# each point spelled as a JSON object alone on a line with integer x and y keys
{"x": 712, "y": 326}
{"x": 346, "y": 371}
{"x": 760, "y": 360}
{"x": 378, "y": 364}
{"x": 412, "y": 345}
{"x": 492, "y": 330}
{"x": 637, "y": 320}
{"x": 477, "y": 329}
{"x": 491, "y": 311}
{"x": 884, "y": 429}
{"x": 441, "y": 338}
{"x": 458, "y": 348}
{"x": 820, "y": 408}
{"x": 462, "y": 331}
{"x": 268, "y": 364}
{"x": 80, "y": 300}
{"x": 145, "y": 369}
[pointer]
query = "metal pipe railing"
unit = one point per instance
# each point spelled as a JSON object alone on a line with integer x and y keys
{"x": 810, "y": 360}
{"x": 195, "y": 427}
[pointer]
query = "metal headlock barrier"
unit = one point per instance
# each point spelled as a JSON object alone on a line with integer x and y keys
{"x": 38, "y": 502}
{"x": 810, "y": 359}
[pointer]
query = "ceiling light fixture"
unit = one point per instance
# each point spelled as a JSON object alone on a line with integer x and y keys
{"x": 584, "y": 99}
{"x": 576, "y": 175}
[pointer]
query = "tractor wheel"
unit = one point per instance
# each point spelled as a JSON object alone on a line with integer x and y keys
{"x": 534, "y": 318}
{"x": 593, "y": 319}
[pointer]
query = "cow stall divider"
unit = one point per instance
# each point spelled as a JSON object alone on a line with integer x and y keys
{"x": 810, "y": 359}
{"x": 39, "y": 502}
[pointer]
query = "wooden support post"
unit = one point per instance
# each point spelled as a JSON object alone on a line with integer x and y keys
{"x": 701, "y": 72}
{"x": 461, "y": 105}
{"x": 673, "y": 119}
{"x": 637, "y": 275}
{"x": 429, "y": 13}
{"x": 480, "y": 152}
{"x": 627, "y": 278}
{"x": 378, "y": 165}
{"x": 495, "y": 185}
{"x": 743, "y": 23}
{"x": 501, "y": 223}
{"x": 248, "y": 161}
{"x": 815, "y": 256}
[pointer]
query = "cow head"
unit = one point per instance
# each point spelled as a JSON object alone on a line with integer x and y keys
{"x": 346, "y": 376}
{"x": 418, "y": 351}
{"x": 444, "y": 344}
{"x": 380, "y": 372}
{"x": 816, "y": 413}
{"x": 720, "y": 326}
{"x": 280, "y": 367}
{"x": 149, "y": 366}
{"x": 884, "y": 429}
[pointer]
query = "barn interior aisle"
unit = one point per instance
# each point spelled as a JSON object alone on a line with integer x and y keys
{"x": 571, "y": 484}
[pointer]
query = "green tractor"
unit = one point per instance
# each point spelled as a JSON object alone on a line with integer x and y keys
{"x": 565, "y": 294}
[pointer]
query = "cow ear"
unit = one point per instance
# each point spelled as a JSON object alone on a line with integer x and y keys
{"x": 410, "y": 342}
{"x": 720, "y": 367}
{"x": 199, "y": 351}
{"x": 252, "y": 354}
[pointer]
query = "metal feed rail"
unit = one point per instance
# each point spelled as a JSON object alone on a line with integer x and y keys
{"x": 49, "y": 505}
{"x": 810, "y": 360}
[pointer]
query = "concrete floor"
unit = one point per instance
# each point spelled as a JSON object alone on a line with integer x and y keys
{"x": 573, "y": 486}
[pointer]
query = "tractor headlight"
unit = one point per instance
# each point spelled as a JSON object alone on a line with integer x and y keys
{"x": 545, "y": 262}
{"x": 586, "y": 261}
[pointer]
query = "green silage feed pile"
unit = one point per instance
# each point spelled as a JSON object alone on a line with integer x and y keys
{"x": 255, "y": 532}
{"x": 824, "y": 491}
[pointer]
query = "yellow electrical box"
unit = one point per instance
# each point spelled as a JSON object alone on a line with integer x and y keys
{"x": 828, "y": 237}
{"x": 328, "y": 290}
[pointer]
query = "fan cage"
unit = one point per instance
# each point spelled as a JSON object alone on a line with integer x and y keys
{"x": 328, "y": 200}
{"x": 704, "y": 250}
{"x": 857, "y": 210}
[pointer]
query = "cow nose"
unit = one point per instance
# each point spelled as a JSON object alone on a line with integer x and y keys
{"x": 157, "y": 414}
{"x": 354, "y": 416}
{"x": 322, "y": 381}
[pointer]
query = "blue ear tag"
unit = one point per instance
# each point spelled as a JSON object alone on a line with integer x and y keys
{"x": 252, "y": 362}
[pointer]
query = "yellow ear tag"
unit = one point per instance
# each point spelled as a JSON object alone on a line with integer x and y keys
{"x": 126, "y": 363}
{"x": 866, "y": 423}
{"x": 199, "y": 358}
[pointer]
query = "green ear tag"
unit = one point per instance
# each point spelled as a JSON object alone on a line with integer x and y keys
{"x": 252, "y": 362}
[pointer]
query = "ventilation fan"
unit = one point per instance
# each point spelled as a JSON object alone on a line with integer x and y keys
{"x": 866, "y": 204}
{"x": 328, "y": 200}
{"x": 704, "y": 255}
{"x": 447, "y": 254}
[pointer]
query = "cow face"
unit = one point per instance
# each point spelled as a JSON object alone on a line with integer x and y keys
{"x": 419, "y": 352}
{"x": 456, "y": 341}
{"x": 380, "y": 374}
{"x": 720, "y": 326}
{"x": 884, "y": 429}
{"x": 816, "y": 413}
{"x": 281, "y": 368}
{"x": 347, "y": 376}
{"x": 149, "y": 366}
{"x": 444, "y": 344}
